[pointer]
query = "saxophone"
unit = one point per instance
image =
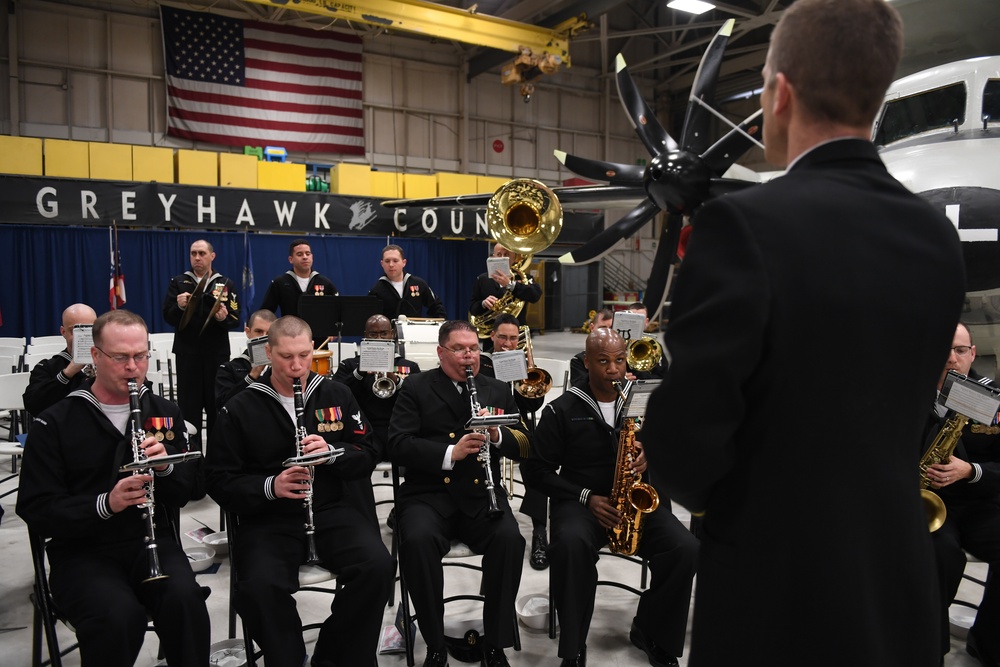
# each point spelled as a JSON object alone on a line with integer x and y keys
{"x": 629, "y": 494}
{"x": 940, "y": 451}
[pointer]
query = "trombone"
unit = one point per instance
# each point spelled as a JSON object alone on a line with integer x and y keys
{"x": 539, "y": 380}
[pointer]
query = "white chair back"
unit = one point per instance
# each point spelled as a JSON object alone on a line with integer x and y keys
{"x": 44, "y": 340}
{"x": 162, "y": 340}
{"x": 32, "y": 359}
{"x": 12, "y": 386}
{"x": 9, "y": 363}
{"x": 47, "y": 348}
{"x": 12, "y": 341}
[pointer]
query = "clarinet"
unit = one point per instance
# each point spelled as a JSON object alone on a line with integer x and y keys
{"x": 149, "y": 507}
{"x": 494, "y": 511}
{"x": 312, "y": 556}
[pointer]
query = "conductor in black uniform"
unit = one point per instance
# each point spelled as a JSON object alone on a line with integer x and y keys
{"x": 285, "y": 291}
{"x": 578, "y": 436}
{"x": 969, "y": 485}
{"x": 54, "y": 378}
{"x": 202, "y": 304}
{"x": 444, "y": 495}
{"x": 257, "y": 432}
{"x": 491, "y": 287}
{"x": 72, "y": 492}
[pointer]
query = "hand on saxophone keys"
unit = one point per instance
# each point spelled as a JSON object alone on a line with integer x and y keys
{"x": 606, "y": 514}
{"x": 946, "y": 474}
{"x": 639, "y": 462}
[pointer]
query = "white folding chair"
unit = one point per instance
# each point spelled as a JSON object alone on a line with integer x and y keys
{"x": 32, "y": 359}
{"x": 46, "y": 348}
{"x": 9, "y": 363}
{"x": 13, "y": 341}
{"x": 45, "y": 340}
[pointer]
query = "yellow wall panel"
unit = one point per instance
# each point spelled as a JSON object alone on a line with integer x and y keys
{"x": 387, "y": 184}
{"x": 197, "y": 167}
{"x": 419, "y": 186}
{"x": 111, "y": 161}
{"x": 489, "y": 183}
{"x": 150, "y": 163}
{"x": 237, "y": 170}
{"x": 351, "y": 179}
{"x": 21, "y": 155}
{"x": 450, "y": 185}
{"x": 281, "y": 176}
{"x": 68, "y": 159}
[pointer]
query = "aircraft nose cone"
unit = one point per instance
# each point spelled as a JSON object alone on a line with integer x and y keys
{"x": 677, "y": 181}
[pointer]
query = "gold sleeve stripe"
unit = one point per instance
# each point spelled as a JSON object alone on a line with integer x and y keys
{"x": 523, "y": 443}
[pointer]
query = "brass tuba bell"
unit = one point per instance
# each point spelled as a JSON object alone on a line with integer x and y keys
{"x": 525, "y": 217}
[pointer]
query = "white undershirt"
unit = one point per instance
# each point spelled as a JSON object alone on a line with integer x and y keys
{"x": 303, "y": 282}
{"x": 288, "y": 403}
{"x": 608, "y": 412}
{"x": 117, "y": 415}
{"x": 398, "y": 286}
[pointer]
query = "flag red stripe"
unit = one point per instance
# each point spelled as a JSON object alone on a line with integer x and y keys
{"x": 261, "y": 124}
{"x": 281, "y": 87}
{"x": 333, "y": 36}
{"x": 225, "y": 140}
{"x": 270, "y": 105}
{"x": 304, "y": 70}
{"x": 299, "y": 50}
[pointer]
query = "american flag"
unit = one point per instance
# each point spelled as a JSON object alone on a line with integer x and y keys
{"x": 116, "y": 288}
{"x": 238, "y": 82}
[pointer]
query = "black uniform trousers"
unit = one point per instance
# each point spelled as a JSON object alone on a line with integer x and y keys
{"x": 425, "y": 537}
{"x": 268, "y": 559}
{"x": 112, "y": 633}
{"x": 196, "y": 386}
{"x": 972, "y": 526}
{"x": 672, "y": 553}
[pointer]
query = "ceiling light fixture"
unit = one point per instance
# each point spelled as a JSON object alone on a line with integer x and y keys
{"x": 691, "y": 6}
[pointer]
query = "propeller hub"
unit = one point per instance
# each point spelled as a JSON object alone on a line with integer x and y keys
{"x": 677, "y": 181}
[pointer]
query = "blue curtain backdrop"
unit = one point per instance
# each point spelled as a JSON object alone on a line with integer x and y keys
{"x": 43, "y": 269}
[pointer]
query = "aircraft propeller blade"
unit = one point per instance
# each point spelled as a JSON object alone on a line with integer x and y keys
{"x": 723, "y": 186}
{"x": 598, "y": 170}
{"x": 724, "y": 152}
{"x": 601, "y": 244}
{"x": 662, "y": 273}
{"x": 697, "y": 120}
{"x": 651, "y": 133}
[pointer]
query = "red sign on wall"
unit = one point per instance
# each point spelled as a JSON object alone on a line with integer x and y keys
{"x": 498, "y": 146}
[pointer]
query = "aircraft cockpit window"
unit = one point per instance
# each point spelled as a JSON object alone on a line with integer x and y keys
{"x": 929, "y": 110}
{"x": 991, "y": 100}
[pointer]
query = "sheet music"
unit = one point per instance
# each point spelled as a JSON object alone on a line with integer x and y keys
{"x": 258, "y": 355}
{"x": 510, "y": 366}
{"x": 629, "y": 325}
{"x": 973, "y": 400}
{"x": 377, "y": 356}
{"x": 501, "y": 264}
{"x": 638, "y": 397}
{"x": 83, "y": 340}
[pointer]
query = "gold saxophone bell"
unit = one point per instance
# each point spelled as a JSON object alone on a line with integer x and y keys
{"x": 631, "y": 496}
{"x": 940, "y": 451}
{"x": 644, "y": 354}
{"x": 525, "y": 217}
{"x": 539, "y": 380}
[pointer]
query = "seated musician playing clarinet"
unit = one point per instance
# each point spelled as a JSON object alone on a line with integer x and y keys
{"x": 73, "y": 494}
{"x": 579, "y": 432}
{"x": 446, "y": 492}
{"x": 969, "y": 485}
{"x": 246, "y": 474}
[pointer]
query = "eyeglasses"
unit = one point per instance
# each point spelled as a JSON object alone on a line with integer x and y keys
{"x": 462, "y": 351}
{"x": 507, "y": 339}
{"x": 122, "y": 359}
{"x": 961, "y": 350}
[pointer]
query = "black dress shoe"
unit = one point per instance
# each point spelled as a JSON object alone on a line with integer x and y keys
{"x": 538, "y": 560}
{"x": 436, "y": 658}
{"x": 657, "y": 656}
{"x": 579, "y": 661}
{"x": 493, "y": 657}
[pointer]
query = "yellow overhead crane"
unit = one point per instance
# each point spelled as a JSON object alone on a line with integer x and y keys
{"x": 540, "y": 50}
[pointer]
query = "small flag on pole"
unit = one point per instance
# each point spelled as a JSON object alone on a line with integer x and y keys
{"x": 116, "y": 287}
{"x": 247, "y": 276}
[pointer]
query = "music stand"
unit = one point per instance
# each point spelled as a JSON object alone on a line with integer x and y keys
{"x": 338, "y": 315}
